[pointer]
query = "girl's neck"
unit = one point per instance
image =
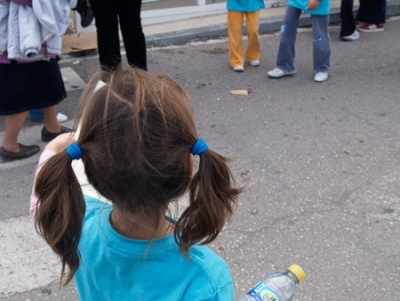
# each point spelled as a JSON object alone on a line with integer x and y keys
{"x": 128, "y": 227}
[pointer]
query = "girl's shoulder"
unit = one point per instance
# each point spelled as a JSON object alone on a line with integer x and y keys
{"x": 94, "y": 205}
{"x": 213, "y": 277}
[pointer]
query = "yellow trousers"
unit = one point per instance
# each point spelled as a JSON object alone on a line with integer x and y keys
{"x": 235, "y": 29}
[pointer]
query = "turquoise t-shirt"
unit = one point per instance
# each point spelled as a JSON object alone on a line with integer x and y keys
{"x": 114, "y": 267}
{"x": 245, "y": 5}
{"x": 322, "y": 9}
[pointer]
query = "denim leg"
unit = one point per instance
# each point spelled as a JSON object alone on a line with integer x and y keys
{"x": 321, "y": 43}
{"x": 36, "y": 114}
{"x": 286, "y": 52}
{"x": 346, "y": 15}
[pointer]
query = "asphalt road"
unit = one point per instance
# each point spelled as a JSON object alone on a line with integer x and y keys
{"x": 319, "y": 161}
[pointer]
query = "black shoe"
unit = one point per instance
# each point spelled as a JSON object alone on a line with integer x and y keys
{"x": 48, "y": 136}
{"x": 26, "y": 151}
{"x": 85, "y": 11}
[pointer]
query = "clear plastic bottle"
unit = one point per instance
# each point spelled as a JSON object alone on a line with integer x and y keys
{"x": 278, "y": 286}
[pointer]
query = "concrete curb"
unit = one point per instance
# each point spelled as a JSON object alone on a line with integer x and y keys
{"x": 267, "y": 24}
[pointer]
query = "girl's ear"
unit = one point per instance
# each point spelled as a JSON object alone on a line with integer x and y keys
{"x": 191, "y": 163}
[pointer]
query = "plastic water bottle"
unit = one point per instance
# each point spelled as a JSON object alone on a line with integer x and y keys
{"x": 278, "y": 286}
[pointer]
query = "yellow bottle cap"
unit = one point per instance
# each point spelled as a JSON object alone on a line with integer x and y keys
{"x": 298, "y": 271}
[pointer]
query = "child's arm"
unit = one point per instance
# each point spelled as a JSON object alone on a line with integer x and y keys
{"x": 312, "y": 4}
{"x": 60, "y": 143}
{"x": 53, "y": 147}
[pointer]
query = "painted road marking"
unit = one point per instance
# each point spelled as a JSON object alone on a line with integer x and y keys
{"x": 74, "y": 81}
{"x": 26, "y": 262}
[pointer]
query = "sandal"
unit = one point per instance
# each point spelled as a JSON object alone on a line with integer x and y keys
{"x": 25, "y": 152}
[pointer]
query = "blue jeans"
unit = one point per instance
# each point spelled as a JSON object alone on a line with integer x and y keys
{"x": 36, "y": 114}
{"x": 321, "y": 41}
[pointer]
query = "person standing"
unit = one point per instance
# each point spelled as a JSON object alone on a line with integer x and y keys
{"x": 109, "y": 16}
{"x": 371, "y": 16}
{"x": 237, "y": 11}
{"x": 319, "y": 10}
{"x": 21, "y": 87}
{"x": 348, "y": 31}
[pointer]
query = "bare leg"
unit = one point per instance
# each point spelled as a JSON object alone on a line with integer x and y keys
{"x": 14, "y": 125}
{"x": 50, "y": 119}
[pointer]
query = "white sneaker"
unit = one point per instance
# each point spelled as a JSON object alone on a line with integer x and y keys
{"x": 238, "y": 68}
{"x": 321, "y": 76}
{"x": 277, "y": 72}
{"x": 354, "y": 36}
{"x": 65, "y": 79}
{"x": 61, "y": 117}
{"x": 254, "y": 63}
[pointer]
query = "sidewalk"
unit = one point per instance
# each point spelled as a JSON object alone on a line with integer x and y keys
{"x": 203, "y": 28}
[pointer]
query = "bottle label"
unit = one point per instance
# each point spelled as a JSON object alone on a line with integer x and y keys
{"x": 262, "y": 292}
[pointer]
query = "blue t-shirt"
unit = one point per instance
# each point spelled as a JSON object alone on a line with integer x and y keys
{"x": 322, "y": 9}
{"x": 245, "y": 5}
{"x": 114, "y": 267}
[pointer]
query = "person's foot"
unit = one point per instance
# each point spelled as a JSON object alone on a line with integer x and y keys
{"x": 278, "y": 72}
{"x": 254, "y": 63}
{"x": 367, "y": 27}
{"x": 354, "y": 36}
{"x": 48, "y": 136}
{"x": 25, "y": 151}
{"x": 238, "y": 68}
{"x": 358, "y": 23}
{"x": 321, "y": 76}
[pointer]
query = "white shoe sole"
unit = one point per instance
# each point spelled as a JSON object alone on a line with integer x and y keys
{"x": 353, "y": 37}
{"x": 61, "y": 117}
{"x": 238, "y": 68}
{"x": 285, "y": 73}
{"x": 254, "y": 63}
{"x": 321, "y": 78}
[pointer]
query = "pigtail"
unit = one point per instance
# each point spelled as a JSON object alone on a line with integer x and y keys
{"x": 60, "y": 211}
{"x": 212, "y": 198}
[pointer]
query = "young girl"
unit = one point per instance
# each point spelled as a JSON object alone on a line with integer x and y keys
{"x": 237, "y": 10}
{"x": 319, "y": 10}
{"x": 137, "y": 141}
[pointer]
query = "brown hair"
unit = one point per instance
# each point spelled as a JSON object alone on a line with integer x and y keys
{"x": 136, "y": 135}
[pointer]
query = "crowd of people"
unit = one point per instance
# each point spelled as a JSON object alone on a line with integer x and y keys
{"x": 40, "y": 96}
{"x": 370, "y": 17}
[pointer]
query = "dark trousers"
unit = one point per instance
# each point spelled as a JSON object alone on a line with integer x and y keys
{"x": 109, "y": 15}
{"x": 370, "y": 11}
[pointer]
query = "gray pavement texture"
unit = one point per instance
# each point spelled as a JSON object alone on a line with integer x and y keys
{"x": 319, "y": 162}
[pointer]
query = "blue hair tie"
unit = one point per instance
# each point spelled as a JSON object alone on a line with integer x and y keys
{"x": 74, "y": 151}
{"x": 199, "y": 147}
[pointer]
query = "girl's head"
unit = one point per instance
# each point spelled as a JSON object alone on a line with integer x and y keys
{"x": 136, "y": 137}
